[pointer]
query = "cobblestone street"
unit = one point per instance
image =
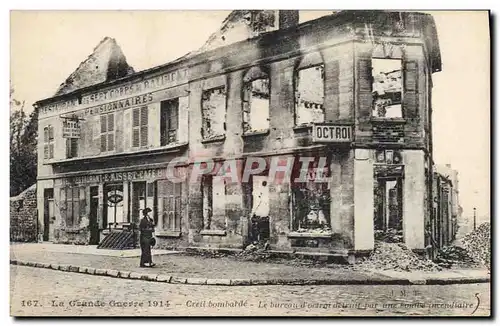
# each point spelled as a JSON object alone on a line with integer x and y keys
{"x": 36, "y": 292}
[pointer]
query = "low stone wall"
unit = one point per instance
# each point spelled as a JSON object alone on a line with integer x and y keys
{"x": 23, "y": 216}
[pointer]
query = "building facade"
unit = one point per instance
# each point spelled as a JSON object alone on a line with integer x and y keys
{"x": 351, "y": 90}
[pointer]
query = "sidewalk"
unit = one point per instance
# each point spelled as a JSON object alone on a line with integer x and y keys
{"x": 176, "y": 267}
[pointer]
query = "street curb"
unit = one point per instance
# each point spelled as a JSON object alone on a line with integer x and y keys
{"x": 162, "y": 278}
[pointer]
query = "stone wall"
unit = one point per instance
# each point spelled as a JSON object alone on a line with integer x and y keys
{"x": 23, "y": 216}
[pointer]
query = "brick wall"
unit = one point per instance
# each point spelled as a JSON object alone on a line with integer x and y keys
{"x": 23, "y": 216}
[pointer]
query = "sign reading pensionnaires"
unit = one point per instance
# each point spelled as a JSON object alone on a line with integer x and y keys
{"x": 329, "y": 133}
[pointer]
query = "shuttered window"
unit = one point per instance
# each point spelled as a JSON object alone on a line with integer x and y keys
{"x": 48, "y": 142}
{"x": 140, "y": 127}
{"x": 169, "y": 201}
{"x": 75, "y": 204}
{"x": 107, "y": 132}
{"x": 71, "y": 147}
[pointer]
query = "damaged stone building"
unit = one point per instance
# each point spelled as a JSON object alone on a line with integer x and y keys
{"x": 264, "y": 85}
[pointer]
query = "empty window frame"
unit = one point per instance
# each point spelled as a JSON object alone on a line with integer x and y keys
{"x": 256, "y": 105}
{"x": 214, "y": 202}
{"x": 213, "y": 105}
{"x": 310, "y": 95}
{"x": 387, "y": 88}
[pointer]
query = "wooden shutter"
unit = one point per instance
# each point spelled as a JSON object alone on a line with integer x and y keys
{"x": 135, "y": 118}
{"x": 365, "y": 81}
{"x": 74, "y": 147}
{"x": 103, "y": 133}
{"x": 144, "y": 126}
{"x": 183, "y": 131}
{"x": 111, "y": 132}
{"x": 135, "y": 127}
{"x": 82, "y": 202}
{"x": 173, "y": 119}
{"x": 410, "y": 96}
{"x": 63, "y": 204}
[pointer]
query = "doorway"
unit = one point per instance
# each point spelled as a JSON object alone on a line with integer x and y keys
{"x": 48, "y": 215}
{"x": 113, "y": 205}
{"x": 388, "y": 210}
{"x": 93, "y": 218}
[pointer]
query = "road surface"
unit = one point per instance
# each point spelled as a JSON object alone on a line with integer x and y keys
{"x": 45, "y": 292}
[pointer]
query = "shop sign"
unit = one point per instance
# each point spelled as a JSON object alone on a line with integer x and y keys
{"x": 331, "y": 133}
{"x": 71, "y": 128}
{"x": 115, "y": 196}
{"x": 150, "y": 174}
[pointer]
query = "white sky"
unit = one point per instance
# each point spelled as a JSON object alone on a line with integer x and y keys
{"x": 46, "y": 47}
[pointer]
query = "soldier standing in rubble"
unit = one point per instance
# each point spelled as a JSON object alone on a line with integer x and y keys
{"x": 146, "y": 227}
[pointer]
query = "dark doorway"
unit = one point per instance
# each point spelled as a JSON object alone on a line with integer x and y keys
{"x": 388, "y": 200}
{"x": 48, "y": 215}
{"x": 93, "y": 219}
{"x": 138, "y": 200}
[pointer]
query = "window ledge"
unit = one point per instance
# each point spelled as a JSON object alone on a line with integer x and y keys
{"x": 326, "y": 235}
{"x": 303, "y": 127}
{"x": 74, "y": 230}
{"x": 256, "y": 133}
{"x": 213, "y": 232}
{"x": 168, "y": 234}
{"x": 213, "y": 139}
{"x": 141, "y": 151}
{"x": 383, "y": 120}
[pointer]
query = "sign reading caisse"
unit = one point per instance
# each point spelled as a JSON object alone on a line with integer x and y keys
{"x": 330, "y": 133}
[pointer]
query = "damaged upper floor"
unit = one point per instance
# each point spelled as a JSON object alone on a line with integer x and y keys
{"x": 341, "y": 68}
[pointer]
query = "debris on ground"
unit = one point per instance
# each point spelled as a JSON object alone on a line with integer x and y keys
{"x": 455, "y": 256}
{"x": 255, "y": 252}
{"x": 478, "y": 244}
{"x": 396, "y": 256}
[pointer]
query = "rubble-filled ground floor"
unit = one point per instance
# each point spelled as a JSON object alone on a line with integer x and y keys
{"x": 333, "y": 200}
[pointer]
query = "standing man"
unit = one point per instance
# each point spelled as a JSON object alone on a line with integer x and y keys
{"x": 146, "y": 227}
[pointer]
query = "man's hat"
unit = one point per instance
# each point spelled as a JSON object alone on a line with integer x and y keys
{"x": 146, "y": 210}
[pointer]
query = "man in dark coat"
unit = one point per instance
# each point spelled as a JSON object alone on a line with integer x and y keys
{"x": 146, "y": 227}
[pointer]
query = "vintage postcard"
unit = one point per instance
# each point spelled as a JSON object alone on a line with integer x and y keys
{"x": 250, "y": 163}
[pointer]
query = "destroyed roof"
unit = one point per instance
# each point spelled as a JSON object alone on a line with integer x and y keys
{"x": 124, "y": 72}
{"x": 106, "y": 63}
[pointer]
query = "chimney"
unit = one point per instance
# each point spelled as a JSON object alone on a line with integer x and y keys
{"x": 288, "y": 18}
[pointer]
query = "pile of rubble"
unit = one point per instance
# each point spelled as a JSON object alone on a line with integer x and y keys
{"x": 255, "y": 252}
{"x": 478, "y": 244}
{"x": 454, "y": 256}
{"x": 396, "y": 256}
